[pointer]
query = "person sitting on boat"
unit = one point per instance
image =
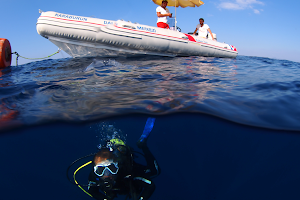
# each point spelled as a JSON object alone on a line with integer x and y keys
{"x": 162, "y": 14}
{"x": 116, "y": 173}
{"x": 202, "y": 29}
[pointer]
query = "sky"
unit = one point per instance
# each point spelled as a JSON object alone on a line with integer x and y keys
{"x": 266, "y": 28}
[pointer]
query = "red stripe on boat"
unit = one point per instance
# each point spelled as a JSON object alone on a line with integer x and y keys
{"x": 191, "y": 38}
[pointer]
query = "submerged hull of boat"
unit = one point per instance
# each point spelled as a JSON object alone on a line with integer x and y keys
{"x": 85, "y": 36}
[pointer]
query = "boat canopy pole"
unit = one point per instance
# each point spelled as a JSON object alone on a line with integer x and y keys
{"x": 175, "y": 17}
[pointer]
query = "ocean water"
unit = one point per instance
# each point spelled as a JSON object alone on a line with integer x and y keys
{"x": 224, "y": 129}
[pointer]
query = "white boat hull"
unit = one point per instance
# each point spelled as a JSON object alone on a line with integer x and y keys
{"x": 91, "y": 37}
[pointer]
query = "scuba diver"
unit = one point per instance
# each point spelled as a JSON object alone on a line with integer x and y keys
{"x": 116, "y": 173}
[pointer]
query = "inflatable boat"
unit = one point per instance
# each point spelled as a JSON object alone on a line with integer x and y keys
{"x": 92, "y": 37}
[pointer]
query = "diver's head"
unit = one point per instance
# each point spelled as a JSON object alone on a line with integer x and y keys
{"x": 106, "y": 167}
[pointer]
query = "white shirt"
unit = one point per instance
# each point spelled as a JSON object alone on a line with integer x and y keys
{"x": 202, "y": 31}
{"x": 161, "y": 10}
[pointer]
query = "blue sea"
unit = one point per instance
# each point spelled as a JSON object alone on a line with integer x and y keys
{"x": 225, "y": 129}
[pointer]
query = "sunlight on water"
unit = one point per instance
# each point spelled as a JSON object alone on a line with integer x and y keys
{"x": 249, "y": 90}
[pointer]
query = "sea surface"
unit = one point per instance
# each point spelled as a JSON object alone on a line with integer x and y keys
{"x": 224, "y": 128}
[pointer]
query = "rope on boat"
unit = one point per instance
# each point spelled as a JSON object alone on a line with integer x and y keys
{"x": 18, "y": 55}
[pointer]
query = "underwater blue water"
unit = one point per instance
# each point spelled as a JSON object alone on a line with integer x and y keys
{"x": 224, "y": 128}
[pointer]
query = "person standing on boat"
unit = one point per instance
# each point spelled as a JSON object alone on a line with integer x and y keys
{"x": 162, "y": 14}
{"x": 202, "y": 29}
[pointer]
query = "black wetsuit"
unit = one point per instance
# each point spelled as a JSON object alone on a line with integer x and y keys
{"x": 133, "y": 179}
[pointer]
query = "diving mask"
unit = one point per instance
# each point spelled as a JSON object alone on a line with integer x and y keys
{"x": 111, "y": 167}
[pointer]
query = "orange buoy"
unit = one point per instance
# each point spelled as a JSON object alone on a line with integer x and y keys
{"x": 5, "y": 53}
